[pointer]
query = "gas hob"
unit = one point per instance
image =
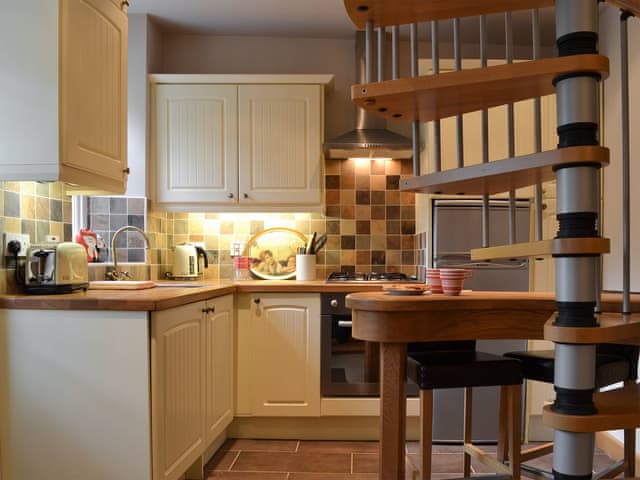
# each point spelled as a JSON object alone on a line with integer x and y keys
{"x": 370, "y": 277}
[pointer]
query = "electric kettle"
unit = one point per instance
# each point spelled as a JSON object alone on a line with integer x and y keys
{"x": 186, "y": 262}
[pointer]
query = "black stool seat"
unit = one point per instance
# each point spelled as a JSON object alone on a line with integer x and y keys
{"x": 538, "y": 365}
{"x": 462, "y": 368}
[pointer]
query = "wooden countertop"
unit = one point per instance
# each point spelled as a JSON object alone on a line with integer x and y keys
{"x": 161, "y": 298}
{"x": 380, "y": 317}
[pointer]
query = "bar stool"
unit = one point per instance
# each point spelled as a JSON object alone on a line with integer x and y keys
{"x": 614, "y": 363}
{"x": 436, "y": 365}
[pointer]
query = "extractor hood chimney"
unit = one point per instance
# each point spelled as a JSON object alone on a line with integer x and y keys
{"x": 370, "y": 138}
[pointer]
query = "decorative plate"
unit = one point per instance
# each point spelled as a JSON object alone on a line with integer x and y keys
{"x": 406, "y": 289}
{"x": 272, "y": 253}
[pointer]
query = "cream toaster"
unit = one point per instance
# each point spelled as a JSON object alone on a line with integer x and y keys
{"x": 56, "y": 268}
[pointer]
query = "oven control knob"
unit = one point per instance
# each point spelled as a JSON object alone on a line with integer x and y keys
{"x": 334, "y": 303}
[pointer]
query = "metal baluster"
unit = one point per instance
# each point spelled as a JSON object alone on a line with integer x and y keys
{"x": 416, "y": 124}
{"x": 435, "y": 67}
{"x": 508, "y": 34}
{"x": 485, "y": 133}
{"x": 368, "y": 54}
{"x": 381, "y": 33}
{"x": 537, "y": 121}
{"x": 626, "y": 205}
{"x": 395, "y": 52}
{"x": 458, "y": 66}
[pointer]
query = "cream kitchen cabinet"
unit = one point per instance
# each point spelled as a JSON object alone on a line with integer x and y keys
{"x": 64, "y": 96}
{"x": 191, "y": 382}
{"x": 278, "y": 359}
{"x": 237, "y": 142}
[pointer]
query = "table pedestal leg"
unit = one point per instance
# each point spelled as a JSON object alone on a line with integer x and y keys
{"x": 393, "y": 366}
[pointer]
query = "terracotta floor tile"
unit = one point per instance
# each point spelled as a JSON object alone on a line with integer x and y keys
{"x": 293, "y": 462}
{"x": 261, "y": 445}
{"x": 308, "y": 446}
{"x": 368, "y": 463}
{"x": 332, "y": 476}
{"x": 222, "y": 460}
{"x": 247, "y": 476}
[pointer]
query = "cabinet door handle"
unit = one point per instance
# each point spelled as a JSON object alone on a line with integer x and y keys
{"x": 246, "y": 195}
{"x": 126, "y": 171}
{"x": 212, "y": 309}
{"x": 230, "y": 195}
{"x": 205, "y": 310}
{"x": 124, "y": 3}
{"x": 256, "y": 300}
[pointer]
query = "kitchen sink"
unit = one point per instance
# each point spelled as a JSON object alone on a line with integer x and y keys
{"x": 121, "y": 284}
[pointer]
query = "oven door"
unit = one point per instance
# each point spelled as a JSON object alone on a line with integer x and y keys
{"x": 349, "y": 367}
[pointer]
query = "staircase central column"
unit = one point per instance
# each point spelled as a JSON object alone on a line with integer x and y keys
{"x": 577, "y": 187}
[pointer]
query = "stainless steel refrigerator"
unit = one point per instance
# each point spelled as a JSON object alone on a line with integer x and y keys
{"x": 456, "y": 229}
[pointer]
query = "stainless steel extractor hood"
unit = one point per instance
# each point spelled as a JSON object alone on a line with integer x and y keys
{"x": 370, "y": 137}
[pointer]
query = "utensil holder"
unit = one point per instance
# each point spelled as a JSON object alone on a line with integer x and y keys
{"x": 305, "y": 267}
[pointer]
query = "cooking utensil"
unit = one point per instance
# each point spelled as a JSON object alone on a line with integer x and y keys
{"x": 311, "y": 242}
{"x": 319, "y": 243}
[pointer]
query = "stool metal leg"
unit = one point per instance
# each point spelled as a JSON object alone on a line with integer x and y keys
{"x": 426, "y": 433}
{"x": 468, "y": 421}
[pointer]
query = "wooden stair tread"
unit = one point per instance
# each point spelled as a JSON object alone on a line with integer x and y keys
{"x": 400, "y": 12}
{"x": 555, "y": 246}
{"x": 614, "y": 328}
{"x": 504, "y": 175}
{"x": 632, "y": 6}
{"x": 431, "y": 97}
{"x": 617, "y": 409}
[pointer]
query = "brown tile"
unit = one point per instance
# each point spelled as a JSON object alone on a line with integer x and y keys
{"x": 332, "y": 476}
{"x": 363, "y": 257}
{"x": 378, "y": 197}
{"x": 245, "y": 444}
{"x": 363, "y": 227}
{"x": 378, "y": 182}
{"x": 363, "y": 212}
{"x": 333, "y": 211}
{"x": 363, "y": 197}
{"x": 408, "y": 242}
{"x": 408, "y": 212}
{"x": 408, "y": 257}
{"x": 393, "y": 212}
{"x": 347, "y": 197}
{"x": 348, "y": 182}
{"x": 332, "y": 197}
{"x": 408, "y": 227}
{"x": 378, "y": 212}
{"x": 42, "y": 208}
{"x": 378, "y": 167}
{"x": 378, "y": 227}
{"x": 363, "y": 167}
{"x": 333, "y": 226}
{"x": 348, "y": 167}
{"x": 348, "y": 242}
{"x": 363, "y": 182}
{"x": 393, "y": 226}
{"x": 332, "y": 166}
{"x": 407, "y": 198}
{"x": 348, "y": 227}
{"x": 393, "y": 197}
{"x": 393, "y": 242}
{"x": 222, "y": 460}
{"x": 248, "y": 476}
{"x": 347, "y": 257}
{"x": 393, "y": 182}
{"x": 333, "y": 242}
{"x": 293, "y": 462}
{"x": 393, "y": 167}
{"x": 332, "y": 182}
{"x": 393, "y": 258}
{"x": 307, "y": 446}
{"x": 363, "y": 242}
{"x": 347, "y": 212}
{"x": 378, "y": 257}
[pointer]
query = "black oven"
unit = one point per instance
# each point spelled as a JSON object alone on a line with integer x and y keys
{"x": 348, "y": 367}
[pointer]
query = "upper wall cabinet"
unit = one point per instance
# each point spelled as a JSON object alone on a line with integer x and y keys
{"x": 237, "y": 142}
{"x": 64, "y": 93}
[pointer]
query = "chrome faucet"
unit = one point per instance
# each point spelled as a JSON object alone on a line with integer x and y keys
{"x": 116, "y": 274}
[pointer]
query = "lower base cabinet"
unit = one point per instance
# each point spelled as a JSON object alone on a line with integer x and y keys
{"x": 278, "y": 359}
{"x": 191, "y": 382}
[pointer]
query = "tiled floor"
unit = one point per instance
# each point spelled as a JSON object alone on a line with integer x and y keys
{"x": 334, "y": 460}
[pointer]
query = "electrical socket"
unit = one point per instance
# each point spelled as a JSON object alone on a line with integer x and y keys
{"x": 21, "y": 238}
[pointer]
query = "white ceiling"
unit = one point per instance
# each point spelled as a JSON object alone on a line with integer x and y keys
{"x": 306, "y": 18}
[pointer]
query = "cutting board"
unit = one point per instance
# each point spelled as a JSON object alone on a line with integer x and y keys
{"x": 121, "y": 285}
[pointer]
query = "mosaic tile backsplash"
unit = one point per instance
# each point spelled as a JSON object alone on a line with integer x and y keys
{"x": 370, "y": 223}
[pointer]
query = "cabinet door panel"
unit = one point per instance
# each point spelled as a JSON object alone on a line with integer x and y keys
{"x": 176, "y": 353}
{"x": 196, "y": 143}
{"x": 285, "y": 355}
{"x": 219, "y": 341}
{"x": 280, "y": 143}
{"x": 93, "y": 95}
